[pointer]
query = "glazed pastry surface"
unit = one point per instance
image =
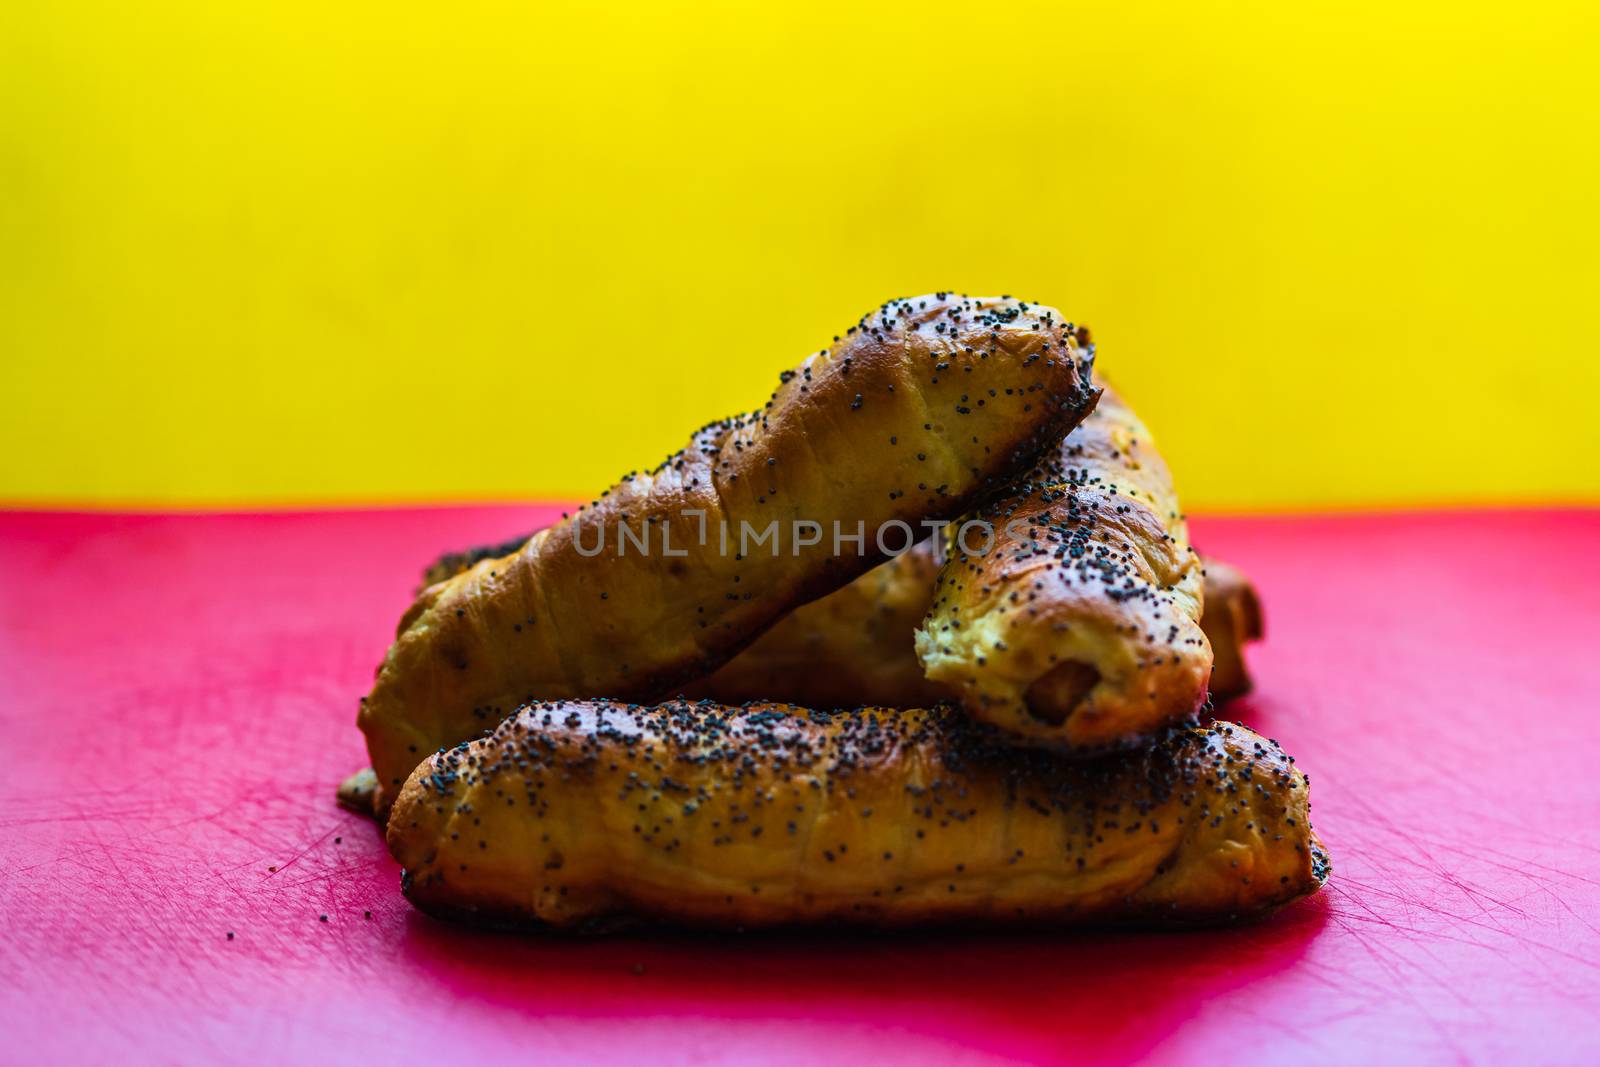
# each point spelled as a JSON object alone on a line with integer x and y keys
{"x": 1078, "y": 626}
{"x": 581, "y": 813}
{"x": 917, "y": 412}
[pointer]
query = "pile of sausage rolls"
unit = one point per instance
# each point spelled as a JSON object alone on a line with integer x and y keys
{"x": 959, "y": 677}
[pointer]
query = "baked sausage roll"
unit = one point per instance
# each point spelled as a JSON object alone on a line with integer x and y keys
{"x": 857, "y": 645}
{"x": 920, "y": 410}
{"x": 589, "y": 813}
{"x": 1071, "y": 619}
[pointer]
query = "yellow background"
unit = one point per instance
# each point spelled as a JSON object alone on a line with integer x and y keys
{"x": 275, "y": 253}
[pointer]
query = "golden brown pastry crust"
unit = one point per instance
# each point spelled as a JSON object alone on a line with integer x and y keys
{"x": 1079, "y": 628}
{"x": 1231, "y": 620}
{"x": 919, "y": 411}
{"x": 585, "y": 812}
{"x": 852, "y": 647}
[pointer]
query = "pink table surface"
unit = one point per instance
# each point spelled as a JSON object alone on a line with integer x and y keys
{"x": 177, "y": 701}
